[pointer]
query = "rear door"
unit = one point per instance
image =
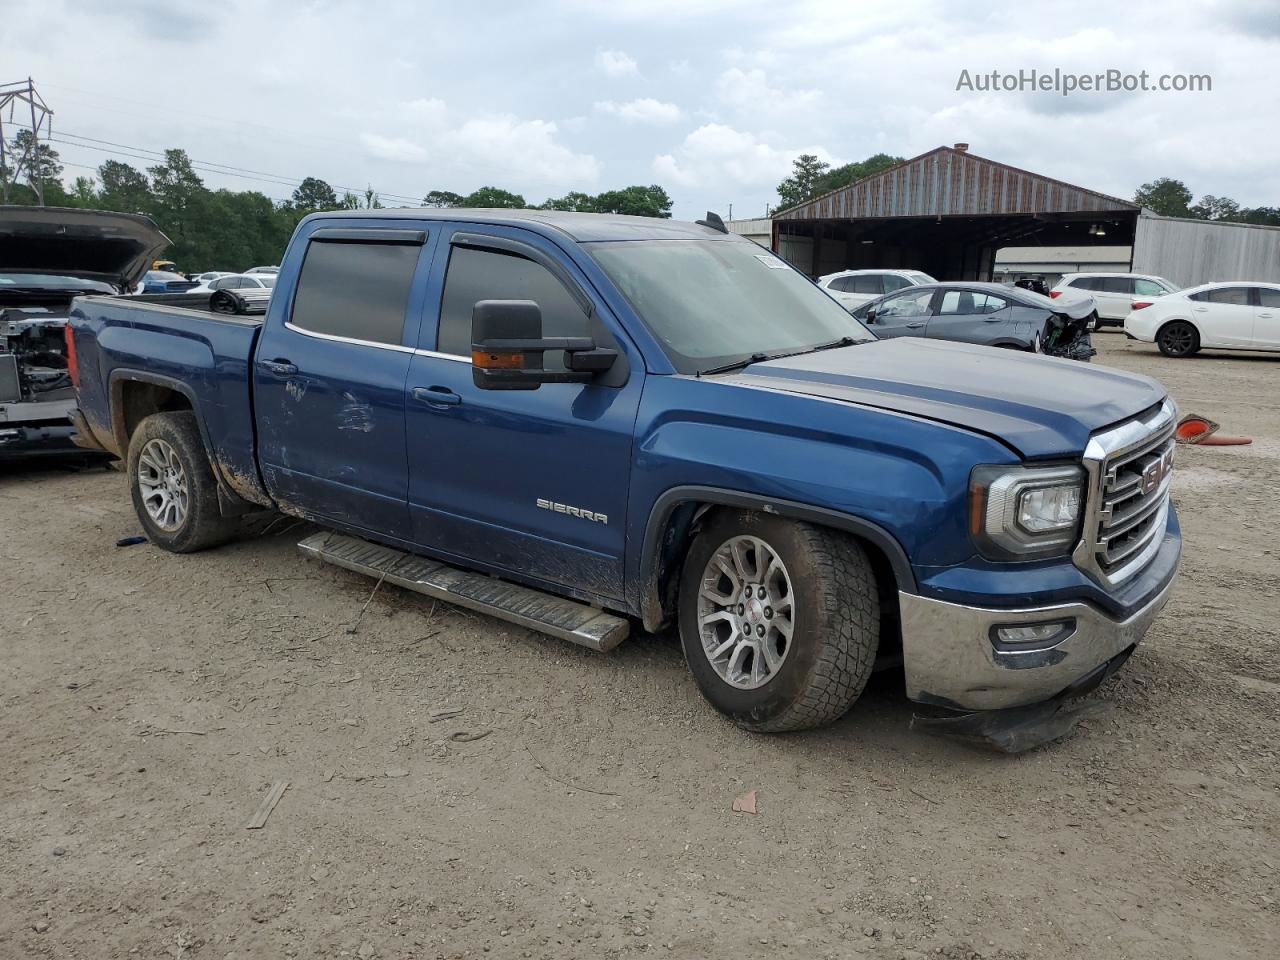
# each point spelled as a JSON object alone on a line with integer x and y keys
{"x": 526, "y": 482}
{"x": 1266, "y": 325}
{"x": 904, "y": 314}
{"x": 1224, "y": 316}
{"x": 329, "y": 376}
{"x": 1114, "y": 296}
{"x": 971, "y": 316}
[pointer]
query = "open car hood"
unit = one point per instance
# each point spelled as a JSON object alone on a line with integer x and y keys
{"x": 92, "y": 244}
{"x": 1039, "y": 406}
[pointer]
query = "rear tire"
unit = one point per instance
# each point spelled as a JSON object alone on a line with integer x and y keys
{"x": 1178, "y": 339}
{"x": 175, "y": 493}
{"x": 829, "y": 602}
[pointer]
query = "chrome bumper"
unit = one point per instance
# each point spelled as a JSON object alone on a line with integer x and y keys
{"x": 951, "y": 658}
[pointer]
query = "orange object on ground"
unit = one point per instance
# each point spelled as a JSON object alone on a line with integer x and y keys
{"x": 1203, "y": 432}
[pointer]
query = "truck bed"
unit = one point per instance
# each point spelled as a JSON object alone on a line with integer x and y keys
{"x": 125, "y": 343}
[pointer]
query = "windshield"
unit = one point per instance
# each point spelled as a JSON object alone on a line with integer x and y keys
{"x": 712, "y": 302}
{"x": 920, "y": 277}
{"x": 266, "y": 279}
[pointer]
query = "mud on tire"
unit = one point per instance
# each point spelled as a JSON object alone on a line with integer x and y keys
{"x": 835, "y": 623}
{"x": 202, "y": 524}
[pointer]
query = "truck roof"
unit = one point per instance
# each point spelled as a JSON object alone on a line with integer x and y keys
{"x": 581, "y": 227}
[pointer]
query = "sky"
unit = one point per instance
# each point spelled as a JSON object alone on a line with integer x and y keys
{"x": 712, "y": 99}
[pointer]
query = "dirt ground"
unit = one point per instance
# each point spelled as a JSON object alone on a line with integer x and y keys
{"x": 148, "y": 702}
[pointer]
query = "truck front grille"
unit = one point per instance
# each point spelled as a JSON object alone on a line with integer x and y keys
{"x": 1130, "y": 468}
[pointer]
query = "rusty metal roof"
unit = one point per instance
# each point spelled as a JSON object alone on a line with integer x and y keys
{"x": 949, "y": 182}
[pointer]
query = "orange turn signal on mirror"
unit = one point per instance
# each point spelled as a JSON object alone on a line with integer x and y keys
{"x": 488, "y": 360}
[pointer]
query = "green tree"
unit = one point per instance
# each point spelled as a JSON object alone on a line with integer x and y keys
{"x": 1210, "y": 207}
{"x": 85, "y": 190}
{"x": 124, "y": 188}
{"x": 575, "y": 201}
{"x": 442, "y": 198}
{"x": 806, "y": 173}
{"x": 1267, "y": 216}
{"x": 34, "y": 163}
{"x": 636, "y": 201}
{"x": 1165, "y": 196}
{"x": 494, "y": 197}
{"x": 842, "y": 176}
{"x": 315, "y": 194}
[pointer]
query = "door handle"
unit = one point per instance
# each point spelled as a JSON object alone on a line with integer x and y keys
{"x": 278, "y": 367}
{"x": 1202, "y": 309}
{"x": 1267, "y": 315}
{"x": 916, "y": 323}
{"x": 436, "y": 396}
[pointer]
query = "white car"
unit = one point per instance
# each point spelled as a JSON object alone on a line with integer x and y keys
{"x": 853, "y": 288}
{"x": 1223, "y": 316}
{"x": 1113, "y": 292}
{"x": 237, "y": 281}
{"x": 209, "y": 275}
{"x": 271, "y": 270}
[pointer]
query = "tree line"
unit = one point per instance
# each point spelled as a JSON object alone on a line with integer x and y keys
{"x": 235, "y": 229}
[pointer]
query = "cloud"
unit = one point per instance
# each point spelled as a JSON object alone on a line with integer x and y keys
{"x": 397, "y": 149}
{"x": 615, "y": 63}
{"x": 642, "y": 110}
{"x": 715, "y": 153}
{"x": 749, "y": 91}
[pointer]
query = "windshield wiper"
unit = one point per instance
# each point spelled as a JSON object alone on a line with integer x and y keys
{"x": 842, "y": 342}
{"x": 761, "y": 357}
{"x": 736, "y": 364}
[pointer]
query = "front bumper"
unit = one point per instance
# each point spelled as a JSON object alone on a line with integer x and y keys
{"x": 953, "y": 659}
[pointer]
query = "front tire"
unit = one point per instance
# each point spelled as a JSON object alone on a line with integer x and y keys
{"x": 779, "y": 620}
{"x": 174, "y": 490}
{"x": 1178, "y": 339}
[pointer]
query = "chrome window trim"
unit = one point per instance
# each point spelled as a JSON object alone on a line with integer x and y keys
{"x": 397, "y": 347}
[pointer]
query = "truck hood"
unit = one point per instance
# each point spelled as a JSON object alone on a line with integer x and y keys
{"x": 92, "y": 244}
{"x": 1039, "y": 406}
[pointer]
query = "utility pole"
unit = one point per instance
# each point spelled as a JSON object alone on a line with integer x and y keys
{"x": 24, "y": 119}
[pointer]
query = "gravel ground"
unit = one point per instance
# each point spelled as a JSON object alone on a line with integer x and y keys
{"x": 148, "y": 702}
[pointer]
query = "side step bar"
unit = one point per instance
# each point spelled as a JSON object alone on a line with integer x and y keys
{"x": 555, "y": 616}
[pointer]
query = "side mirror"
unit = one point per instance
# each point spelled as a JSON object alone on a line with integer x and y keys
{"x": 507, "y": 348}
{"x": 869, "y": 316}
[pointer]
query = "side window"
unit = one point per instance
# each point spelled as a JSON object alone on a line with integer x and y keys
{"x": 1202, "y": 296}
{"x": 906, "y": 305}
{"x": 355, "y": 290}
{"x": 1115, "y": 285}
{"x": 894, "y": 282}
{"x": 866, "y": 284}
{"x": 490, "y": 275}
{"x": 1085, "y": 283}
{"x": 219, "y": 284}
{"x": 1269, "y": 297}
{"x": 959, "y": 303}
{"x": 839, "y": 285}
{"x": 1236, "y": 296}
{"x": 1148, "y": 288}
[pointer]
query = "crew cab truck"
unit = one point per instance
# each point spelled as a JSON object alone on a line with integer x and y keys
{"x": 578, "y": 422}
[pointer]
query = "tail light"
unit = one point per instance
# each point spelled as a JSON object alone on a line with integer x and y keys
{"x": 1141, "y": 304}
{"x": 73, "y": 363}
{"x": 1055, "y": 294}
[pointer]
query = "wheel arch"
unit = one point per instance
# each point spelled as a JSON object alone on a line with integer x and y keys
{"x": 673, "y": 521}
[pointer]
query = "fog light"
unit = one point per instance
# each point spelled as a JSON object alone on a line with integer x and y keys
{"x": 1038, "y": 635}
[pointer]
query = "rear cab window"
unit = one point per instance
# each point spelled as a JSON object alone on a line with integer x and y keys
{"x": 355, "y": 290}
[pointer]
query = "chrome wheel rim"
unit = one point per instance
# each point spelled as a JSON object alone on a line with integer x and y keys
{"x": 163, "y": 484}
{"x": 746, "y": 612}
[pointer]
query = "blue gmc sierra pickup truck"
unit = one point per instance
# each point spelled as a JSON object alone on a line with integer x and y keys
{"x": 577, "y": 422}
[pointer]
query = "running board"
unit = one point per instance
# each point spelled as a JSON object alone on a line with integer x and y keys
{"x": 552, "y": 615}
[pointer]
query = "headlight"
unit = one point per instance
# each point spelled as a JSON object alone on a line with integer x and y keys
{"x": 1024, "y": 513}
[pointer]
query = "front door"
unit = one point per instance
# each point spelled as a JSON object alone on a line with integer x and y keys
{"x": 1266, "y": 325}
{"x": 526, "y": 482}
{"x": 971, "y": 316}
{"x": 1224, "y": 316}
{"x": 904, "y": 315}
{"x": 329, "y": 378}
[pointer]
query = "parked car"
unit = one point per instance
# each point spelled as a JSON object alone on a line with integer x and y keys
{"x": 161, "y": 281}
{"x": 237, "y": 281}
{"x": 263, "y": 270}
{"x": 991, "y": 314}
{"x": 853, "y": 288}
{"x": 1223, "y": 316}
{"x": 618, "y": 418}
{"x": 208, "y": 276}
{"x": 49, "y": 256}
{"x": 1034, "y": 284}
{"x": 1113, "y": 292}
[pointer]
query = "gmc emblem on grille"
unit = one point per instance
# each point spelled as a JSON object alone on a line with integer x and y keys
{"x": 1154, "y": 473}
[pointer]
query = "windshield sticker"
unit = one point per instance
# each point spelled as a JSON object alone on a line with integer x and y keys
{"x": 772, "y": 262}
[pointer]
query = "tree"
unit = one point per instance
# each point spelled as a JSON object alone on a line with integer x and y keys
{"x": 314, "y": 194}
{"x": 806, "y": 172}
{"x": 442, "y": 198}
{"x": 85, "y": 191}
{"x": 575, "y": 201}
{"x": 1210, "y": 207}
{"x": 494, "y": 197}
{"x": 1165, "y": 196}
{"x": 124, "y": 188}
{"x": 25, "y": 159}
{"x": 637, "y": 201}
{"x": 1268, "y": 216}
{"x": 838, "y": 177}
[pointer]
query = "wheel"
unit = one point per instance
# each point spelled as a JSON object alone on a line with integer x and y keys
{"x": 779, "y": 620}
{"x": 174, "y": 491}
{"x": 1178, "y": 339}
{"x": 222, "y": 302}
